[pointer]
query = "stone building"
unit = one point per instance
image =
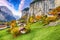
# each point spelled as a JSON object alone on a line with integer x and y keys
{"x": 40, "y": 7}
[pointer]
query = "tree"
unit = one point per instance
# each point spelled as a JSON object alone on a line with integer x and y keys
{"x": 38, "y": 17}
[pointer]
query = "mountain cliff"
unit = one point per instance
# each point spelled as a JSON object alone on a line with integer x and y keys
{"x": 6, "y": 14}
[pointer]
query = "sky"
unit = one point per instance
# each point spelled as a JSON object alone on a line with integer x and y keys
{"x": 16, "y": 3}
{"x": 16, "y": 6}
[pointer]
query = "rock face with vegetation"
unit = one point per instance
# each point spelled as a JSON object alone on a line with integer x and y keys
{"x": 6, "y": 14}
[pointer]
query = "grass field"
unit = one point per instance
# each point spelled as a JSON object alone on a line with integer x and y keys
{"x": 38, "y": 32}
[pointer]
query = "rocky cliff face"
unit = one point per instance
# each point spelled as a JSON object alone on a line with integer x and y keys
{"x": 6, "y": 14}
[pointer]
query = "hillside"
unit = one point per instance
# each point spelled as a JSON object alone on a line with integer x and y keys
{"x": 6, "y": 14}
{"x": 41, "y": 33}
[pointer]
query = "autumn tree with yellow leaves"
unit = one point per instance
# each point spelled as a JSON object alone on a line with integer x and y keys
{"x": 37, "y": 17}
{"x": 31, "y": 19}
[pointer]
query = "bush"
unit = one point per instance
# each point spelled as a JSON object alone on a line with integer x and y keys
{"x": 50, "y": 19}
{"x": 13, "y": 24}
{"x": 58, "y": 8}
{"x": 53, "y": 18}
{"x": 31, "y": 19}
{"x": 28, "y": 27}
{"x": 38, "y": 17}
{"x": 53, "y": 12}
{"x": 43, "y": 18}
{"x": 46, "y": 21}
{"x": 15, "y": 32}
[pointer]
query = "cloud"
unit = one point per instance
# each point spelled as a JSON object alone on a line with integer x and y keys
{"x": 21, "y": 4}
{"x": 11, "y": 7}
{"x": 7, "y": 4}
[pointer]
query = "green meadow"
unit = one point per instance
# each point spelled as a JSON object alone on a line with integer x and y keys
{"x": 38, "y": 32}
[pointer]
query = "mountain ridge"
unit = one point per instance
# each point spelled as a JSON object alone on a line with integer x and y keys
{"x": 6, "y": 13}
